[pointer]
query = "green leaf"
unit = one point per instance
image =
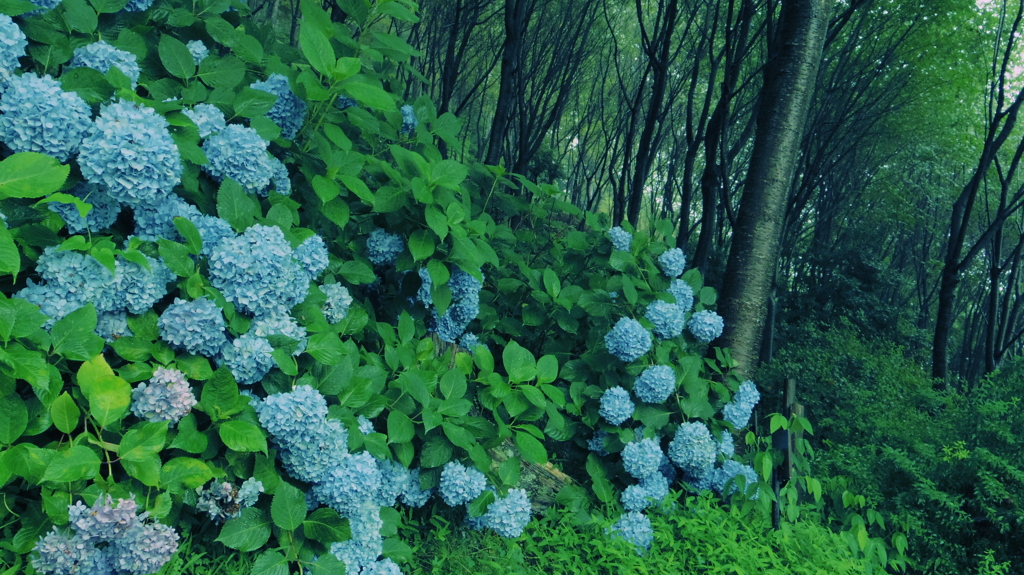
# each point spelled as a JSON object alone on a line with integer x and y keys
{"x": 176, "y": 257}
{"x": 325, "y": 348}
{"x": 31, "y": 175}
{"x": 547, "y": 369}
{"x": 270, "y": 563}
{"x": 80, "y": 16}
{"x": 220, "y": 398}
{"x": 437, "y": 221}
{"x": 188, "y": 437}
{"x": 108, "y": 6}
{"x": 243, "y": 436}
{"x": 421, "y": 245}
{"x": 448, "y": 174}
{"x": 400, "y": 427}
{"x": 64, "y": 413}
{"x": 74, "y": 337}
{"x": 187, "y": 472}
{"x": 288, "y": 508}
{"x": 188, "y": 230}
{"x": 389, "y": 199}
{"x": 453, "y": 384}
{"x": 509, "y": 471}
{"x": 16, "y": 8}
{"x": 357, "y": 273}
{"x": 109, "y": 396}
{"x": 223, "y": 73}
{"x": 602, "y": 487}
{"x": 708, "y": 296}
{"x": 326, "y": 526}
{"x": 248, "y": 532}
{"x": 176, "y": 58}
{"x": 141, "y": 443}
{"x": 519, "y": 363}
{"x": 234, "y": 205}
{"x": 251, "y": 102}
{"x": 317, "y": 49}
{"x": 436, "y": 452}
{"x": 532, "y": 450}
{"x": 370, "y": 96}
{"x": 78, "y": 462}
{"x": 325, "y": 189}
{"x": 10, "y": 256}
{"x": 13, "y": 418}
{"x": 357, "y": 187}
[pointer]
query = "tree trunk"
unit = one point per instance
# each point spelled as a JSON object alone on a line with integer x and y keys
{"x": 517, "y": 17}
{"x": 789, "y": 78}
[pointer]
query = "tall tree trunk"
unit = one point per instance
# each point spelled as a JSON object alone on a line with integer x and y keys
{"x": 517, "y": 17}
{"x": 789, "y": 78}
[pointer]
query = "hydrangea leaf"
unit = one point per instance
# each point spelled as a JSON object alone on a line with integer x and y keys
{"x": 248, "y": 532}
{"x": 357, "y": 273}
{"x": 13, "y": 418}
{"x": 108, "y": 6}
{"x": 242, "y": 436}
{"x": 288, "y": 508}
{"x": 78, "y": 462}
{"x": 599, "y": 479}
{"x": 234, "y": 205}
{"x": 326, "y": 526}
{"x": 224, "y": 73}
{"x": 17, "y": 7}
{"x": 519, "y": 363}
{"x": 31, "y": 175}
{"x": 188, "y": 437}
{"x": 251, "y": 103}
{"x": 10, "y": 256}
{"x": 370, "y": 95}
{"x": 317, "y": 49}
{"x": 509, "y": 471}
{"x": 65, "y": 413}
{"x": 400, "y": 427}
{"x": 143, "y": 441}
{"x": 80, "y": 16}
{"x": 530, "y": 448}
{"x": 220, "y": 398}
{"x": 187, "y": 473}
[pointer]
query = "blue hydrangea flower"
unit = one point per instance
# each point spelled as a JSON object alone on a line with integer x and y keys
{"x": 276, "y": 324}
{"x": 683, "y": 294}
{"x": 288, "y": 112}
{"x": 293, "y": 416}
{"x": 195, "y": 326}
{"x": 693, "y": 449}
{"x": 137, "y": 288}
{"x": 731, "y": 470}
{"x": 726, "y": 446}
{"x": 409, "y": 120}
{"x": 70, "y": 281}
{"x": 211, "y": 230}
{"x": 463, "y": 285}
{"x": 111, "y": 325}
{"x": 312, "y": 255}
{"x": 309, "y": 457}
{"x": 469, "y": 341}
{"x": 508, "y": 515}
{"x": 360, "y": 552}
{"x": 208, "y": 118}
{"x": 138, "y": 5}
{"x": 354, "y": 480}
{"x": 673, "y": 262}
{"x": 414, "y": 495}
{"x": 667, "y": 469}
{"x": 130, "y": 151}
{"x": 655, "y": 384}
{"x": 166, "y": 397}
{"x": 257, "y": 272}
{"x": 103, "y": 214}
{"x": 394, "y": 478}
{"x": 706, "y": 325}
{"x": 238, "y": 152}
{"x": 154, "y": 221}
{"x": 651, "y": 491}
{"x": 621, "y": 239}
{"x": 102, "y": 56}
{"x": 737, "y": 412}
{"x": 344, "y": 103}
{"x": 12, "y": 45}
{"x": 279, "y": 178}
{"x": 423, "y": 294}
{"x": 218, "y": 501}
{"x": 382, "y": 567}
{"x": 628, "y": 340}
{"x": 636, "y": 528}
{"x": 460, "y": 484}
{"x": 249, "y": 492}
{"x": 616, "y": 406}
{"x": 249, "y": 357}
{"x": 104, "y": 520}
{"x": 365, "y": 425}
{"x": 198, "y": 50}
{"x": 456, "y": 318}
{"x": 338, "y": 301}
{"x": 144, "y": 548}
{"x": 39, "y": 116}
{"x": 383, "y": 248}
{"x": 642, "y": 458}
{"x": 596, "y": 443}
{"x": 44, "y": 6}
{"x": 63, "y": 554}
{"x": 669, "y": 319}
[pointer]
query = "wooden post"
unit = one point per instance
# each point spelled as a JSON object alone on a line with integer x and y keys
{"x": 783, "y": 441}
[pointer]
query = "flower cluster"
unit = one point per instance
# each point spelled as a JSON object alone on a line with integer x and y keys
{"x": 103, "y": 214}
{"x": 621, "y": 239}
{"x": 198, "y": 50}
{"x": 383, "y": 248}
{"x": 312, "y": 256}
{"x": 409, "y": 120}
{"x": 249, "y": 357}
{"x": 12, "y": 45}
{"x": 138, "y": 288}
{"x": 616, "y": 406}
{"x": 274, "y": 324}
{"x": 129, "y": 150}
{"x": 288, "y": 112}
{"x": 102, "y": 57}
{"x": 194, "y": 326}
{"x": 208, "y": 118}
{"x": 223, "y": 501}
{"x": 211, "y": 230}
{"x": 683, "y": 294}
{"x": 635, "y": 527}
{"x": 154, "y": 221}
{"x": 642, "y": 458}
{"x": 628, "y": 340}
{"x": 167, "y": 397}
{"x": 469, "y": 342}
{"x": 134, "y": 546}
{"x": 650, "y": 491}
{"x": 673, "y": 262}
{"x": 338, "y": 301}
{"x": 669, "y": 319}
{"x": 238, "y": 152}
{"x": 508, "y": 515}
{"x": 39, "y": 116}
{"x": 70, "y": 281}
{"x": 257, "y": 271}
{"x": 465, "y": 306}
{"x": 655, "y": 384}
{"x": 138, "y": 5}
{"x": 461, "y": 484}
{"x": 693, "y": 449}
{"x": 706, "y": 325}
{"x": 737, "y": 412}
{"x": 344, "y": 103}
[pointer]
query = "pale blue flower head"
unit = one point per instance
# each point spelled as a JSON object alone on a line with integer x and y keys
{"x": 129, "y": 150}
{"x": 706, "y": 325}
{"x": 257, "y": 272}
{"x": 194, "y": 326}
{"x": 165, "y": 397}
{"x": 649, "y": 492}
{"x": 683, "y": 294}
{"x": 102, "y": 56}
{"x": 144, "y": 548}
{"x": 137, "y": 288}
{"x": 383, "y": 248}
{"x": 105, "y": 520}
{"x": 409, "y": 121}
{"x": 655, "y": 384}
{"x": 138, "y": 5}
{"x": 642, "y": 458}
{"x": 338, "y": 301}
{"x": 154, "y": 221}
{"x": 12, "y": 45}
{"x": 211, "y": 230}
{"x": 693, "y": 449}
{"x": 673, "y": 262}
{"x": 616, "y": 406}
{"x": 103, "y": 214}
{"x": 198, "y": 50}
{"x": 461, "y": 484}
{"x": 508, "y": 515}
{"x": 414, "y": 495}
{"x": 354, "y": 480}
{"x": 312, "y": 256}
{"x": 423, "y": 295}
{"x": 249, "y": 357}
{"x": 39, "y": 116}
{"x": 635, "y": 527}
{"x": 628, "y": 340}
{"x": 621, "y": 239}
{"x": 112, "y": 325}
{"x": 63, "y": 554}
{"x": 238, "y": 152}
{"x": 360, "y": 552}
{"x": 280, "y": 324}
{"x": 288, "y": 112}
{"x": 669, "y": 319}
{"x": 208, "y": 118}
{"x": 737, "y": 412}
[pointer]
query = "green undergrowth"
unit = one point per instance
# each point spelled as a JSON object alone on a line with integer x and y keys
{"x": 698, "y": 535}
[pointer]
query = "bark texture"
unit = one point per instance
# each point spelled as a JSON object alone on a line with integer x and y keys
{"x": 789, "y": 78}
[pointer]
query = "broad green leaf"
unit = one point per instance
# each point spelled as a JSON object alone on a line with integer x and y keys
{"x": 109, "y": 396}
{"x": 509, "y": 471}
{"x": 188, "y": 437}
{"x": 421, "y": 245}
{"x": 519, "y": 363}
{"x": 13, "y": 418}
{"x": 143, "y": 442}
{"x": 270, "y": 563}
{"x": 326, "y": 526}
{"x": 242, "y": 436}
{"x": 31, "y": 175}
{"x": 80, "y": 16}
{"x": 400, "y": 427}
{"x": 10, "y": 256}
{"x": 108, "y": 6}
{"x": 74, "y": 336}
{"x": 325, "y": 348}
{"x": 357, "y": 273}
{"x": 188, "y": 230}
{"x": 317, "y": 49}
{"x": 448, "y": 174}
{"x": 78, "y": 462}
{"x": 547, "y": 369}
{"x": 370, "y": 96}
{"x": 453, "y": 384}
{"x": 65, "y": 413}
{"x": 248, "y": 532}
{"x": 599, "y": 478}
{"x": 530, "y": 448}
{"x": 221, "y": 72}
{"x": 234, "y": 205}
{"x": 436, "y": 452}
{"x": 288, "y": 508}
{"x": 251, "y": 102}
{"x": 459, "y": 436}
{"x": 176, "y": 58}
{"x": 184, "y": 472}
